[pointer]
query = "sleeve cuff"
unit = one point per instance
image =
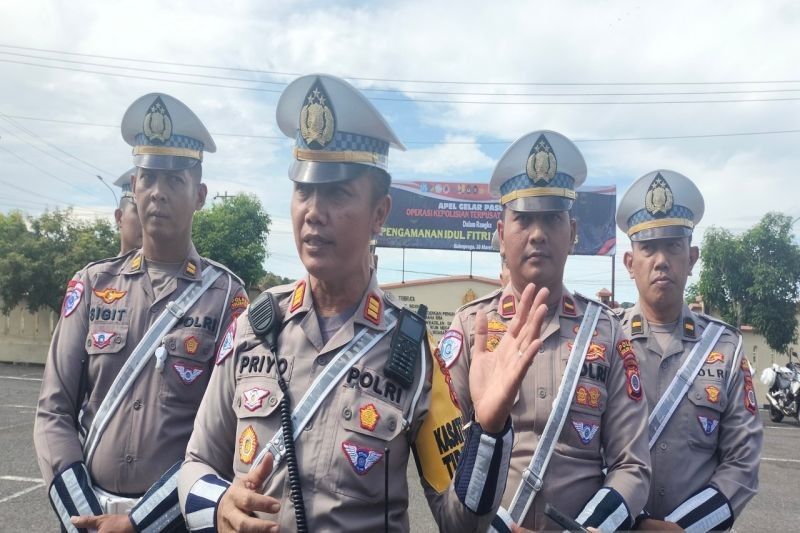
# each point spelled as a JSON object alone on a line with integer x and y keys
{"x": 202, "y": 501}
{"x": 159, "y": 510}
{"x": 482, "y": 471}
{"x": 707, "y": 510}
{"x": 71, "y": 494}
{"x": 606, "y": 511}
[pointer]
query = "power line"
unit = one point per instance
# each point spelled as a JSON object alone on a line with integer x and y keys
{"x": 409, "y": 100}
{"x": 395, "y": 90}
{"x": 40, "y": 169}
{"x": 497, "y": 142}
{"x": 400, "y": 80}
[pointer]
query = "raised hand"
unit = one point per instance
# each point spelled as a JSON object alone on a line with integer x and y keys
{"x": 104, "y": 523}
{"x": 495, "y": 377}
{"x": 243, "y": 498}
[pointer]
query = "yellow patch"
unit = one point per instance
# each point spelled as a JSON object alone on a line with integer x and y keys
{"x": 248, "y": 445}
{"x": 492, "y": 342}
{"x": 191, "y": 268}
{"x": 497, "y": 326}
{"x": 595, "y": 352}
{"x": 191, "y": 345}
{"x": 509, "y": 306}
{"x": 594, "y": 397}
{"x": 438, "y": 456}
{"x": 715, "y": 357}
{"x": 369, "y": 417}
{"x": 712, "y": 393}
{"x": 372, "y": 310}
{"x": 298, "y": 296}
{"x": 136, "y": 264}
{"x": 109, "y": 295}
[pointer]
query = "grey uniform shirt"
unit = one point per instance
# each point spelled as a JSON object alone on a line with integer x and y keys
{"x": 714, "y": 437}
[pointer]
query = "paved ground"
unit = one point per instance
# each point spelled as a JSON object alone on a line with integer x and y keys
{"x": 24, "y": 505}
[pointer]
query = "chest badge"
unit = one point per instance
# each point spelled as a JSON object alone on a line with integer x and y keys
{"x": 102, "y": 339}
{"x": 369, "y": 416}
{"x": 708, "y": 424}
{"x": 191, "y": 344}
{"x": 586, "y": 431}
{"x": 254, "y": 398}
{"x": 712, "y": 394}
{"x": 248, "y": 445}
{"x": 109, "y": 295}
{"x": 361, "y": 459}
{"x": 188, "y": 374}
{"x": 715, "y": 357}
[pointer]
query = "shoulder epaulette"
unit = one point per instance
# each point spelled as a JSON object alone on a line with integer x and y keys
{"x": 226, "y": 269}
{"x": 483, "y": 298}
{"x": 393, "y": 300}
{"x": 710, "y": 318}
{"x": 606, "y": 308}
{"x": 108, "y": 261}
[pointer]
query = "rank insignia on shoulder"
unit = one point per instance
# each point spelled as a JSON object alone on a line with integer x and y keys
{"x": 254, "y": 398}
{"x": 188, "y": 374}
{"x": 361, "y": 459}
{"x": 450, "y": 347}
{"x": 586, "y": 431}
{"x": 637, "y": 326}
{"x": 568, "y": 306}
{"x": 102, "y": 339}
{"x": 226, "y": 346}
{"x": 712, "y": 394}
{"x": 688, "y": 327}
{"x": 191, "y": 268}
{"x": 136, "y": 264}
{"x": 190, "y": 344}
{"x": 715, "y": 357}
{"x": 248, "y": 445}
{"x": 708, "y": 424}
{"x": 372, "y": 309}
{"x": 72, "y": 298}
{"x": 368, "y": 417}
{"x": 109, "y": 295}
{"x": 298, "y": 295}
{"x": 509, "y": 306}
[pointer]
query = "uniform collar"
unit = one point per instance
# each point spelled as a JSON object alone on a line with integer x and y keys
{"x": 568, "y": 305}
{"x": 191, "y": 269}
{"x": 687, "y": 324}
{"x": 369, "y": 311}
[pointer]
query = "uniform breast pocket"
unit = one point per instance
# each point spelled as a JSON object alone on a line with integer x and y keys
{"x": 187, "y": 367}
{"x": 256, "y": 404}
{"x": 367, "y": 427}
{"x": 108, "y": 338}
{"x": 707, "y": 402}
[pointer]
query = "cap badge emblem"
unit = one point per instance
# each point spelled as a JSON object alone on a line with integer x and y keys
{"x": 659, "y": 199}
{"x": 542, "y": 163}
{"x": 317, "y": 121}
{"x": 157, "y": 122}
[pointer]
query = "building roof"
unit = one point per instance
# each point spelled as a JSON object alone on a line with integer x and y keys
{"x": 442, "y": 279}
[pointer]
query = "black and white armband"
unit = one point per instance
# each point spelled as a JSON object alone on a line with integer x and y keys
{"x": 482, "y": 471}
{"x": 606, "y": 511}
{"x": 159, "y": 510}
{"x": 71, "y": 494}
{"x": 707, "y": 510}
{"x": 201, "y": 503}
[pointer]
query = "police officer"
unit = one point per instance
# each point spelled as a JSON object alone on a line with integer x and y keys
{"x": 604, "y": 420}
{"x": 101, "y": 445}
{"x": 705, "y": 458}
{"x": 126, "y": 216}
{"x": 351, "y": 457}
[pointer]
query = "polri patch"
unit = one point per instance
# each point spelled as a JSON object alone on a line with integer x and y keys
{"x": 72, "y": 298}
{"x": 187, "y": 373}
{"x": 102, "y": 339}
{"x": 586, "y": 431}
{"x": 254, "y": 398}
{"x": 248, "y": 445}
{"x": 226, "y": 346}
{"x": 239, "y": 304}
{"x": 450, "y": 347}
{"x": 368, "y": 416}
{"x": 708, "y": 424}
{"x": 361, "y": 459}
{"x": 110, "y": 295}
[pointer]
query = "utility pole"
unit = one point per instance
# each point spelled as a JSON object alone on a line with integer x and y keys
{"x": 224, "y": 196}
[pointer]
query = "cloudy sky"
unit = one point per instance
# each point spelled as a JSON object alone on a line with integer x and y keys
{"x": 711, "y": 89}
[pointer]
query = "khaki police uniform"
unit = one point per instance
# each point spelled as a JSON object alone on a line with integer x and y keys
{"x": 599, "y": 470}
{"x": 363, "y": 432}
{"x": 108, "y": 307}
{"x": 606, "y": 422}
{"x": 705, "y": 461}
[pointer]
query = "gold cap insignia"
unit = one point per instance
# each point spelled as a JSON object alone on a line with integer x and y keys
{"x": 317, "y": 120}
{"x": 157, "y": 122}
{"x": 658, "y": 200}
{"x": 542, "y": 162}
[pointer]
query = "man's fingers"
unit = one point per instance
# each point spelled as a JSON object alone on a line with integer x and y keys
{"x": 481, "y": 330}
{"x": 239, "y": 521}
{"x": 84, "y": 521}
{"x": 523, "y": 309}
{"x": 255, "y": 479}
{"x": 250, "y": 501}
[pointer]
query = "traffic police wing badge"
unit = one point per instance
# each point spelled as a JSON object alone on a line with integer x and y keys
{"x": 542, "y": 162}
{"x": 157, "y": 122}
{"x": 317, "y": 119}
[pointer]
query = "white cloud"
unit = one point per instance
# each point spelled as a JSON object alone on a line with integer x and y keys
{"x": 443, "y": 160}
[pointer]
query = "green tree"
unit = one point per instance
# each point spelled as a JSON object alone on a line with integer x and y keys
{"x": 234, "y": 232}
{"x": 754, "y": 278}
{"x": 38, "y": 255}
{"x": 271, "y": 279}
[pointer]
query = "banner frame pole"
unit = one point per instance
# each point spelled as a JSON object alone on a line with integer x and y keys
{"x": 613, "y": 278}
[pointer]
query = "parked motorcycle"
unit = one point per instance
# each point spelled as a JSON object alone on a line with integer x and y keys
{"x": 784, "y": 390}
